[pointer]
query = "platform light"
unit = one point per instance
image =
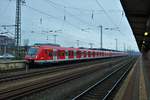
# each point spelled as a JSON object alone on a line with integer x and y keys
{"x": 143, "y": 42}
{"x": 146, "y": 33}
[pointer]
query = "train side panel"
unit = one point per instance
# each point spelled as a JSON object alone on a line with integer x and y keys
{"x": 46, "y": 54}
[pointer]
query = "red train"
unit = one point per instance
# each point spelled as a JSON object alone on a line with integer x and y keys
{"x": 48, "y": 54}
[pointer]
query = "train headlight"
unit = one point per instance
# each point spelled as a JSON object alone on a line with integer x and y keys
{"x": 36, "y": 57}
{"x": 42, "y": 58}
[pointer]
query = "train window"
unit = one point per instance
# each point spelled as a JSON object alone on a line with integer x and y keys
{"x": 89, "y": 53}
{"x": 61, "y": 53}
{"x": 97, "y": 53}
{"x": 50, "y": 53}
{"x": 79, "y": 53}
{"x": 84, "y": 53}
{"x": 70, "y": 53}
{"x": 58, "y": 53}
{"x": 93, "y": 53}
{"x": 46, "y": 51}
{"x": 32, "y": 51}
{"x": 102, "y": 53}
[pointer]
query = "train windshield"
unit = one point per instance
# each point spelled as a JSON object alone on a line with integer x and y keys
{"x": 32, "y": 51}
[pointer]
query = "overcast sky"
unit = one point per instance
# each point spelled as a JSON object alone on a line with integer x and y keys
{"x": 70, "y": 20}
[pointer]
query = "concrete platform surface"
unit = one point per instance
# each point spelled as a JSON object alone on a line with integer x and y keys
{"x": 137, "y": 84}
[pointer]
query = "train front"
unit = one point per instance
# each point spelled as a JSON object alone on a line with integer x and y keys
{"x": 32, "y": 55}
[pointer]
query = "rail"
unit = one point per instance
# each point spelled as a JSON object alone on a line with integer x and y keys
{"x": 35, "y": 86}
{"x": 104, "y": 84}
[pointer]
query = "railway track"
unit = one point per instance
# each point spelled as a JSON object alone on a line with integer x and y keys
{"x": 104, "y": 89}
{"x": 38, "y": 85}
{"x": 37, "y": 72}
{"x": 40, "y": 68}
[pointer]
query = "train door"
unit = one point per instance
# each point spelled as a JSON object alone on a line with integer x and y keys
{"x": 96, "y": 54}
{"x": 55, "y": 54}
{"x": 75, "y": 54}
{"x": 102, "y": 53}
{"x": 48, "y": 54}
{"x": 85, "y": 54}
{"x": 66, "y": 54}
{"x": 89, "y": 54}
{"x": 78, "y": 54}
{"x": 70, "y": 54}
{"x": 93, "y": 54}
{"x": 61, "y": 54}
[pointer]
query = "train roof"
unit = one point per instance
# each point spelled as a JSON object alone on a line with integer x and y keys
{"x": 56, "y": 46}
{"x": 48, "y": 44}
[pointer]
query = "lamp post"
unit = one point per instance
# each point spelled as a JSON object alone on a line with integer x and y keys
{"x": 55, "y": 38}
{"x": 78, "y": 43}
{"x": 101, "y": 33}
{"x": 101, "y": 36}
{"x": 116, "y": 44}
{"x": 91, "y": 45}
{"x": 55, "y": 35}
{"x": 117, "y": 29}
{"x": 124, "y": 45}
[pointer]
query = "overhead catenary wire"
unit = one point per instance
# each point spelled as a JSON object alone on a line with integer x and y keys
{"x": 65, "y": 16}
{"x": 92, "y": 16}
{"x": 74, "y": 24}
{"x": 64, "y": 7}
{"x": 80, "y": 19}
{"x": 75, "y": 17}
{"x": 122, "y": 15}
{"x": 77, "y": 8}
{"x": 45, "y": 33}
{"x": 54, "y": 17}
{"x": 109, "y": 17}
{"x": 99, "y": 4}
{"x": 73, "y": 41}
{"x": 67, "y": 13}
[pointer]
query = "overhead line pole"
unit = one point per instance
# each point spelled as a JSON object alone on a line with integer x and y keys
{"x": 124, "y": 45}
{"x": 18, "y": 27}
{"x": 101, "y": 36}
{"x": 116, "y": 44}
{"x": 55, "y": 38}
{"x": 91, "y": 45}
{"x": 78, "y": 43}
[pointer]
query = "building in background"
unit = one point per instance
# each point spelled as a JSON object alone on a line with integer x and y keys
{"x": 7, "y": 44}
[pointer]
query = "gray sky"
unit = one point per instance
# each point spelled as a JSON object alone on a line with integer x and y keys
{"x": 82, "y": 18}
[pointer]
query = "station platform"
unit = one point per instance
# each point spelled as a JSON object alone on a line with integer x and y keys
{"x": 137, "y": 84}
